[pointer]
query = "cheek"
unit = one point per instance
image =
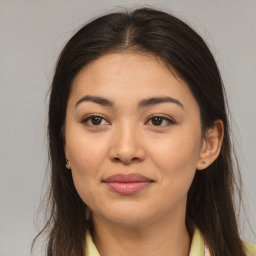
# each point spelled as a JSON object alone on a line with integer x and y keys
{"x": 85, "y": 161}
{"x": 176, "y": 157}
{"x": 86, "y": 152}
{"x": 86, "y": 155}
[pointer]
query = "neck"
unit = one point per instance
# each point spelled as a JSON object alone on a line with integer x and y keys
{"x": 165, "y": 238}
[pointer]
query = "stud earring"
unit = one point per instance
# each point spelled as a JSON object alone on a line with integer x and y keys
{"x": 203, "y": 162}
{"x": 67, "y": 162}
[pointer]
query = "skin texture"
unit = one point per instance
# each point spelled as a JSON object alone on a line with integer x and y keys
{"x": 125, "y": 139}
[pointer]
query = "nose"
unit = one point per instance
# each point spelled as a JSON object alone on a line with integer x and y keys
{"x": 127, "y": 145}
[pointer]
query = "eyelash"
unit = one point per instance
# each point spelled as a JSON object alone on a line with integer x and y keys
{"x": 89, "y": 117}
{"x": 163, "y": 118}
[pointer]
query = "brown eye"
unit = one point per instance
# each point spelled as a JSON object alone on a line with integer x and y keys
{"x": 95, "y": 120}
{"x": 160, "y": 121}
{"x": 157, "y": 120}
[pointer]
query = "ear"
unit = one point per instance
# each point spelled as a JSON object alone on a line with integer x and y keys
{"x": 65, "y": 147}
{"x": 67, "y": 158}
{"x": 211, "y": 145}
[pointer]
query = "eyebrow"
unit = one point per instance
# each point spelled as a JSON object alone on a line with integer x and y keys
{"x": 96, "y": 99}
{"x": 159, "y": 100}
{"x": 143, "y": 103}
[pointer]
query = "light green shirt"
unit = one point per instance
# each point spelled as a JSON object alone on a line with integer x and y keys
{"x": 198, "y": 247}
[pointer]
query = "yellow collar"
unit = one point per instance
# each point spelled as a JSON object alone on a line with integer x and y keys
{"x": 197, "y": 246}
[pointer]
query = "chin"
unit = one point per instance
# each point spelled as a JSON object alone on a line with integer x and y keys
{"x": 128, "y": 217}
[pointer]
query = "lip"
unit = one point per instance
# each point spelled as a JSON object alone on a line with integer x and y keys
{"x": 127, "y": 184}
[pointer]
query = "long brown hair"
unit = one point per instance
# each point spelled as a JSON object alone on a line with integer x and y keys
{"x": 210, "y": 204}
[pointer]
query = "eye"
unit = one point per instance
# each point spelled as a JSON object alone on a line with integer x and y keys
{"x": 94, "y": 120}
{"x": 160, "y": 121}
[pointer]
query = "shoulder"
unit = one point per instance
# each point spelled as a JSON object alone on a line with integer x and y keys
{"x": 250, "y": 249}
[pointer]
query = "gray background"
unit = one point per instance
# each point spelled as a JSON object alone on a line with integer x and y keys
{"x": 31, "y": 36}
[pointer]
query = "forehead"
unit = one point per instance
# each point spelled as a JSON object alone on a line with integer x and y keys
{"x": 122, "y": 65}
{"x": 123, "y": 76}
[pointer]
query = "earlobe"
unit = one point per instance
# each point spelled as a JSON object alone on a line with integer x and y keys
{"x": 67, "y": 158}
{"x": 211, "y": 145}
{"x": 68, "y": 164}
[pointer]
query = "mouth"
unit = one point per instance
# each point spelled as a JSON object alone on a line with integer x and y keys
{"x": 127, "y": 184}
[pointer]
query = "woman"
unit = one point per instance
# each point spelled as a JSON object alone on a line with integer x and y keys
{"x": 139, "y": 143}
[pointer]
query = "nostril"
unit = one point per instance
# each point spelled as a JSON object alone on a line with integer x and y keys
{"x": 125, "y": 161}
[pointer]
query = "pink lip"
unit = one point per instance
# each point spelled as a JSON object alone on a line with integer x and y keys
{"x": 127, "y": 183}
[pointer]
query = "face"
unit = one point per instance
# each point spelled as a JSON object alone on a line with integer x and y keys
{"x": 133, "y": 139}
